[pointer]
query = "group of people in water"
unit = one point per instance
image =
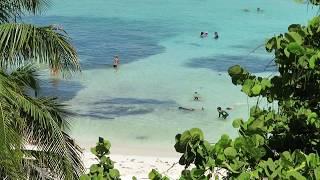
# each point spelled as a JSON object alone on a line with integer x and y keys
{"x": 205, "y": 34}
{"x": 196, "y": 97}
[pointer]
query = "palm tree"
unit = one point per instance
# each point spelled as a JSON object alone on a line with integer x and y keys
{"x": 33, "y": 139}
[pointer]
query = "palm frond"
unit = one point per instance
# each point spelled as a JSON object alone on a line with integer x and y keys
{"x": 50, "y": 165}
{"x": 12, "y": 9}
{"x": 26, "y": 77}
{"x": 10, "y": 138}
{"x": 23, "y": 43}
{"x": 43, "y": 124}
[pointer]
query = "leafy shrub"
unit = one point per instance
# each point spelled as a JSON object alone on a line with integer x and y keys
{"x": 104, "y": 170}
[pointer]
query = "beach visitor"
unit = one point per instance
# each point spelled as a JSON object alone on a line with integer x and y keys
{"x": 203, "y": 34}
{"x": 196, "y": 96}
{"x": 116, "y": 61}
{"x": 184, "y": 108}
{"x": 222, "y": 113}
{"x": 245, "y": 10}
{"x": 215, "y": 35}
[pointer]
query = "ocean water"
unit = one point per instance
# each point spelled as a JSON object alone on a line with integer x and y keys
{"x": 163, "y": 62}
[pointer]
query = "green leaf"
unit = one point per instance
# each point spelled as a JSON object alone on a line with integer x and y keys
{"x": 196, "y": 173}
{"x": 247, "y": 85}
{"x": 94, "y": 168}
{"x": 235, "y": 70}
{"x": 230, "y": 152}
{"x": 114, "y": 173}
{"x": 294, "y": 37}
{"x": 312, "y": 61}
{"x": 317, "y": 173}
{"x": 296, "y": 175}
{"x": 266, "y": 83}
{"x": 93, "y": 151}
{"x": 85, "y": 177}
{"x": 256, "y": 89}
{"x": 237, "y": 122}
{"x": 153, "y": 174}
{"x": 244, "y": 175}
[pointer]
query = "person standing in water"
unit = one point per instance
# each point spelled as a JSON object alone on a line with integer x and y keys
{"x": 196, "y": 96}
{"x": 216, "y": 35}
{"x": 116, "y": 61}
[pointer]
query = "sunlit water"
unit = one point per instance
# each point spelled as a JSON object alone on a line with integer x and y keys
{"x": 163, "y": 63}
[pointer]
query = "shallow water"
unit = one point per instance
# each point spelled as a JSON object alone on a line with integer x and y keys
{"x": 163, "y": 63}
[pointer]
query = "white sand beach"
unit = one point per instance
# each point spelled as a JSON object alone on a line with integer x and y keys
{"x": 139, "y": 166}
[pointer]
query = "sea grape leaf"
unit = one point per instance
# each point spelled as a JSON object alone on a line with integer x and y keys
{"x": 256, "y": 89}
{"x": 235, "y": 70}
{"x": 237, "y": 122}
{"x": 230, "y": 152}
{"x": 94, "y": 168}
{"x": 294, "y": 37}
{"x": 295, "y": 48}
{"x": 85, "y": 177}
{"x": 114, "y": 173}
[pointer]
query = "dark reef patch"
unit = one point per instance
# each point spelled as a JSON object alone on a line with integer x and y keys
{"x": 221, "y": 63}
{"x": 109, "y": 108}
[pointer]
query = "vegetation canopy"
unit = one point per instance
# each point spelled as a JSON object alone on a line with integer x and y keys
{"x": 34, "y": 143}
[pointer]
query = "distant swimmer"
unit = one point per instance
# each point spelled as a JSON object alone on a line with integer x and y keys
{"x": 116, "y": 61}
{"x": 184, "y": 108}
{"x": 245, "y": 10}
{"x": 216, "y": 35}
{"x": 222, "y": 113}
{"x": 189, "y": 109}
{"x": 196, "y": 96}
{"x": 259, "y": 10}
{"x": 203, "y": 34}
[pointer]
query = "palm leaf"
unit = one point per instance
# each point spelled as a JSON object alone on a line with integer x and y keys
{"x": 26, "y": 77}
{"x": 11, "y": 9}
{"x": 49, "y": 165}
{"x": 23, "y": 43}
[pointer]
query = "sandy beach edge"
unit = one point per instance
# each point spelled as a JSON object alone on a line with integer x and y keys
{"x": 138, "y": 165}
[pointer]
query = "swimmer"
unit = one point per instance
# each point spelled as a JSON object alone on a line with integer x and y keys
{"x": 259, "y": 10}
{"x": 215, "y": 35}
{"x": 188, "y": 109}
{"x": 196, "y": 96}
{"x": 116, "y": 61}
{"x": 245, "y": 10}
{"x": 222, "y": 113}
{"x": 203, "y": 34}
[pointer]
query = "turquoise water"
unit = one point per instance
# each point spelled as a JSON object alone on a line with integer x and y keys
{"x": 163, "y": 63}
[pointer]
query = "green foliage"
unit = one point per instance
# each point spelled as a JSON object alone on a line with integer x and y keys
{"x": 26, "y": 120}
{"x": 280, "y": 143}
{"x": 155, "y": 175}
{"x": 104, "y": 170}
